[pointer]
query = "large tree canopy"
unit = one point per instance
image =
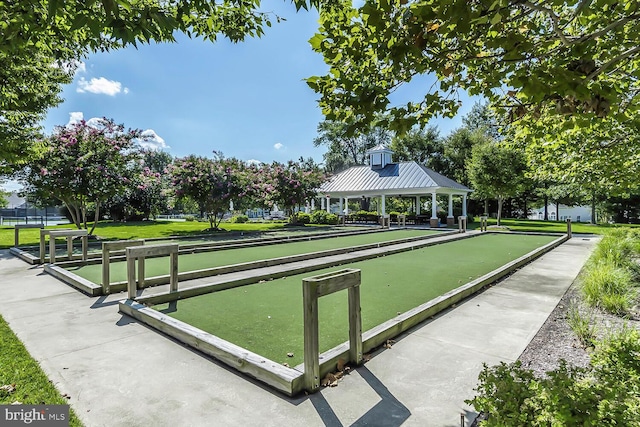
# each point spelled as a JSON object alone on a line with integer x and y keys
{"x": 530, "y": 57}
{"x": 42, "y": 40}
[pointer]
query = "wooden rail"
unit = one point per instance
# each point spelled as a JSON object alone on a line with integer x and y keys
{"x": 314, "y": 288}
{"x": 140, "y": 253}
{"x": 19, "y": 227}
{"x": 118, "y": 245}
{"x": 69, "y": 235}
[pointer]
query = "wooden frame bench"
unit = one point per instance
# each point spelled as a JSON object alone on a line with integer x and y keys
{"x": 69, "y": 235}
{"x": 140, "y": 253}
{"x": 19, "y": 227}
{"x": 107, "y": 247}
{"x": 319, "y": 286}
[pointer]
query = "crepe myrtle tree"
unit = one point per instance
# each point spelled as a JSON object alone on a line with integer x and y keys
{"x": 82, "y": 165}
{"x": 213, "y": 183}
{"x": 291, "y": 184}
{"x": 149, "y": 192}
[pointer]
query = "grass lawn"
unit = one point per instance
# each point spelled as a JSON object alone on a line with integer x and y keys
{"x": 31, "y": 384}
{"x": 190, "y": 262}
{"x": 267, "y": 318}
{"x": 552, "y": 226}
{"x": 147, "y": 229}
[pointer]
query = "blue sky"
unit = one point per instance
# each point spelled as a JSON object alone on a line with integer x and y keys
{"x": 247, "y": 100}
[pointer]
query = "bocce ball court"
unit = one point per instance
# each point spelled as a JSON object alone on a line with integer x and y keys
{"x": 263, "y": 322}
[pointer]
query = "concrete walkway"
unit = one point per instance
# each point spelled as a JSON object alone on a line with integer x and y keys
{"x": 120, "y": 373}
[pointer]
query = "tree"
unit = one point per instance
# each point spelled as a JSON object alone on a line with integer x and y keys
{"x": 497, "y": 171}
{"x": 483, "y": 119}
{"x": 346, "y": 149}
{"x": 530, "y": 58}
{"x": 149, "y": 192}
{"x": 43, "y": 41}
{"x": 423, "y": 146}
{"x": 291, "y": 184}
{"x": 458, "y": 148}
{"x": 212, "y": 183}
{"x": 82, "y": 166}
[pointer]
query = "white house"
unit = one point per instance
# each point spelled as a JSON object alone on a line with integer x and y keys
{"x": 574, "y": 213}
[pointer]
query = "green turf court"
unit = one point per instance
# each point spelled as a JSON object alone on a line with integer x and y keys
{"x": 267, "y": 318}
{"x": 202, "y": 260}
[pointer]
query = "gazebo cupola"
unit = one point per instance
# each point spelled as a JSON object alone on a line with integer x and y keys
{"x": 379, "y": 157}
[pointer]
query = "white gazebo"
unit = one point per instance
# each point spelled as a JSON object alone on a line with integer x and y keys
{"x": 383, "y": 178}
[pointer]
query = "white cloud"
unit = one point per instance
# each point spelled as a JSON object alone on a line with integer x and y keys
{"x": 254, "y": 162}
{"x": 100, "y": 85}
{"x": 278, "y": 146}
{"x": 75, "y": 117}
{"x": 126, "y": 90}
{"x": 151, "y": 141}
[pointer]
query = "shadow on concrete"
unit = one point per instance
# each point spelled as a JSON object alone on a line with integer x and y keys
{"x": 100, "y": 302}
{"x": 328, "y": 417}
{"x": 389, "y": 412}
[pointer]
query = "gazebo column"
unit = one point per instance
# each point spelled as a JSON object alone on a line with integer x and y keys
{"x": 340, "y": 206}
{"x": 307, "y": 209}
{"x": 328, "y": 204}
{"x": 383, "y": 207}
{"x": 464, "y": 205}
{"x": 346, "y": 206}
{"x": 313, "y": 204}
{"x": 433, "y": 222}
{"x": 417, "y": 205}
{"x": 450, "y": 218}
{"x": 321, "y": 203}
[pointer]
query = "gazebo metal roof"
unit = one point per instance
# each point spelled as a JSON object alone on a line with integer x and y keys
{"x": 406, "y": 178}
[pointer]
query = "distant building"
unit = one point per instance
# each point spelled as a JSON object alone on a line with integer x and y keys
{"x": 574, "y": 213}
{"x": 15, "y": 201}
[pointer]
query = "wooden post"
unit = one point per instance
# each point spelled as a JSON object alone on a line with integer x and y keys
{"x": 483, "y": 223}
{"x": 68, "y": 235}
{"x": 462, "y": 224}
{"x": 52, "y": 249}
{"x": 402, "y": 220}
{"x": 131, "y": 277}
{"x": 140, "y": 253}
{"x": 569, "y": 234}
{"x": 319, "y": 286}
{"x": 69, "y": 246}
{"x": 43, "y": 245}
{"x": 19, "y": 227}
{"x": 311, "y": 340}
{"x": 173, "y": 266}
{"x": 107, "y": 247}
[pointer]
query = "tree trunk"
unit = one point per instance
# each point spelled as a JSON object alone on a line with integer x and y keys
{"x": 593, "y": 208}
{"x": 526, "y": 216}
{"x": 557, "y": 210}
{"x": 486, "y": 207}
{"x": 499, "y": 210}
{"x": 96, "y": 217}
{"x": 546, "y": 208}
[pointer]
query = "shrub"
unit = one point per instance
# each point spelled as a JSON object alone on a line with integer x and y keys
{"x": 323, "y": 217}
{"x": 584, "y": 327}
{"x": 189, "y": 218}
{"x": 239, "y": 219}
{"x": 608, "y": 287}
{"x": 302, "y": 218}
{"x": 605, "y": 393}
{"x": 331, "y": 219}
